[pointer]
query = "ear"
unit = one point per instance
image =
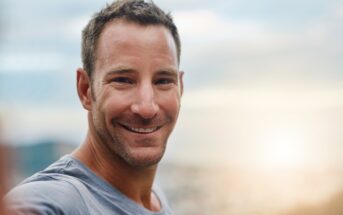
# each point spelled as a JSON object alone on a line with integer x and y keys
{"x": 181, "y": 82}
{"x": 83, "y": 84}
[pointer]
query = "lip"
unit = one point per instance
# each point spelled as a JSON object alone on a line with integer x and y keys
{"x": 141, "y": 130}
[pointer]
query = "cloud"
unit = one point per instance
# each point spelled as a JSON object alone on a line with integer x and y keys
{"x": 75, "y": 26}
{"x": 174, "y": 5}
{"x": 263, "y": 98}
{"x": 219, "y": 50}
{"x": 207, "y": 26}
{"x": 30, "y": 62}
{"x": 44, "y": 122}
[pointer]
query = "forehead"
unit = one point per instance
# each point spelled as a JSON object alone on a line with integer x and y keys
{"x": 123, "y": 38}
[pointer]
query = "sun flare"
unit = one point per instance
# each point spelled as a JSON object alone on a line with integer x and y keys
{"x": 282, "y": 149}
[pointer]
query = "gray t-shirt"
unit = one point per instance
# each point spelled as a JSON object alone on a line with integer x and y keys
{"x": 69, "y": 187}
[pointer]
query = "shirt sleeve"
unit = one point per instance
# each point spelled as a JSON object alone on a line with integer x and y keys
{"x": 43, "y": 198}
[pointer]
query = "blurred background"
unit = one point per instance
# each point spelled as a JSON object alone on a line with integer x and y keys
{"x": 261, "y": 125}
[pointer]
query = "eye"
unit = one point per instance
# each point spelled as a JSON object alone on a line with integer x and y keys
{"x": 163, "y": 81}
{"x": 122, "y": 80}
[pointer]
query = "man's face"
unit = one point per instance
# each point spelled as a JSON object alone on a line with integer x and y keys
{"x": 136, "y": 91}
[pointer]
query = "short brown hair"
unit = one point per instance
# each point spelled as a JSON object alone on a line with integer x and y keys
{"x": 136, "y": 11}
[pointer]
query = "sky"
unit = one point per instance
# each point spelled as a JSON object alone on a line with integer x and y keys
{"x": 263, "y": 79}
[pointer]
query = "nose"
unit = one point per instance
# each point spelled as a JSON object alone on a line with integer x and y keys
{"x": 145, "y": 104}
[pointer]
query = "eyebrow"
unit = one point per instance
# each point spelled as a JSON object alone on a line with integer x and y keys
{"x": 167, "y": 73}
{"x": 127, "y": 70}
{"x": 120, "y": 70}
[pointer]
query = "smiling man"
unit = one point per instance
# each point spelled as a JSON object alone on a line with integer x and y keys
{"x": 131, "y": 87}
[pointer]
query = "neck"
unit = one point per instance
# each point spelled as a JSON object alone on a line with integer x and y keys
{"x": 135, "y": 183}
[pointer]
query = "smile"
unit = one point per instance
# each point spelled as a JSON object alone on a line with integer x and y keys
{"x": 141, "y": 130}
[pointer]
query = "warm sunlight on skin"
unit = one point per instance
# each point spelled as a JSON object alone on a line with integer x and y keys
{"x": 282, "y": 148}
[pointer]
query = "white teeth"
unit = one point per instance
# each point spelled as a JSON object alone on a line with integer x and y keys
{"x": 143, "y": 130}
{"x": 140, "y": 130}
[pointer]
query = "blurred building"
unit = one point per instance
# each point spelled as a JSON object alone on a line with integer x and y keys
{"x": 31, "y": 158}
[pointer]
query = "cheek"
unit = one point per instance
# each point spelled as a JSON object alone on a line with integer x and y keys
{"x": 113, "y": 104}
{"x": 171, "y": 103}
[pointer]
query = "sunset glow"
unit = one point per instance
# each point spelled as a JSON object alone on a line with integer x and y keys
{"x": 282, "y": 149}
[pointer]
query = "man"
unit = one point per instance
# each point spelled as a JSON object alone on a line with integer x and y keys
{"x": 131, "y": 86}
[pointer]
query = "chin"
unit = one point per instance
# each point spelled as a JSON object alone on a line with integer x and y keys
{"x": 144, "y": 158}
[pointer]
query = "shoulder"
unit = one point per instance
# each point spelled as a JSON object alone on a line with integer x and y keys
{"x": 51, "y": 191}
{"x": 44, "y": 197}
